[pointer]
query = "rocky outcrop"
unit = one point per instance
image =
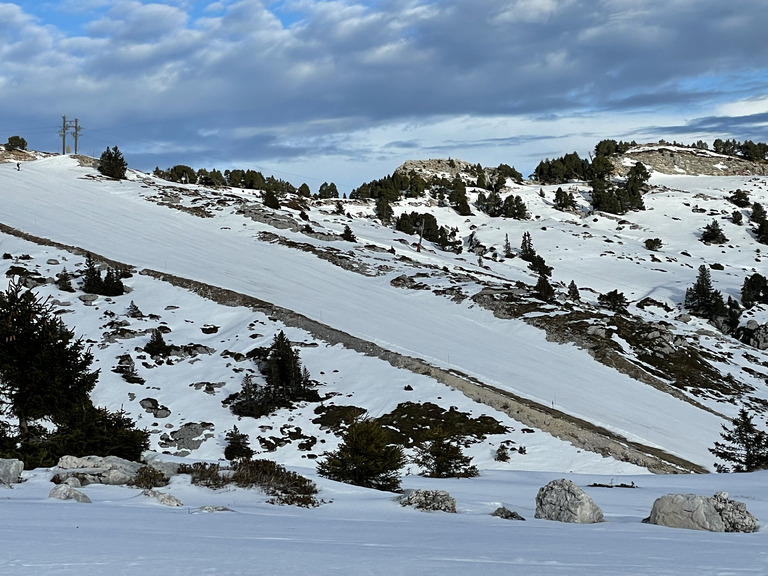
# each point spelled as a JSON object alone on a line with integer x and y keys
{"x": 681, "y": 160}
{"x": 10, "y": 471}
{"x": 694, "y": 512}
{"x": 562, "y": 501}
{"x": 753, "y": 334}
{"x": 430, "y": 500}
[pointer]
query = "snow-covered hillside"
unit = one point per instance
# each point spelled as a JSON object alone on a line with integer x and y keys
{"x": 378, "y": 323}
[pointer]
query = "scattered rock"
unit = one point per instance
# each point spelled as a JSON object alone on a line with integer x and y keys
{"x": 10, "y": 471}
{"x": 562, "y": 501}
{"x": 66, "y": 492}
{"x": 163, "y": 498}
{"x": 96, "y": 470}
{"x": 506, "y": 514}
{"x": 694, "y": 512}
{"x": 429, "y": 500}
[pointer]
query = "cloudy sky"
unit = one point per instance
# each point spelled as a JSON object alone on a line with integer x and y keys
{"x": 347, "y": 90}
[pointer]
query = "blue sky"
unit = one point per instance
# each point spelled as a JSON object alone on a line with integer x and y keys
{"x": 346, "y": 90}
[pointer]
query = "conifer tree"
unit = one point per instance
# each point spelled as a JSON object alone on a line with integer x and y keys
{"x": 366, "y": 457}
{"x": 614, "y": 300}
{"x": 91, "y": 276}
{"x": 112, "y": 163}
{"x": 44, "y": 371}
{"x": 237, "y": 445}
{"x": 744, "y": 446}
{"x": 699, "y": 297}
{"x": 526, "y": 248}
{"x": 573, "y": 291}
{"x": 442, "y": 457}
{"x": 348, "y": 235}
{"x": 543, "y": 289}
{"x": 507, "y": 247}
{"x": 713, "y": 234}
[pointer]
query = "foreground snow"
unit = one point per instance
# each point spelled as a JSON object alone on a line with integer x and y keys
{"x": 359, "y": 531}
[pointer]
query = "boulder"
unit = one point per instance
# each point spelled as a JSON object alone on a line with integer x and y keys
{"x": 164, "y": 498}
{"x": 694, "y": 512}
{"x": 430, "y": 500}
{"x": 10, "y": 471}
{"x": 562, "y": 501}
{"x": 66, "y": 492}
{"x": 506, "y": 514}
{"x": 96, "y": 470}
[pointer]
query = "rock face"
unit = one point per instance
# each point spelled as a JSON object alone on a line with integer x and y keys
{"x": 753, "y": 334}
{"x": 694, "y": 512}
{"x": 679, "y": 160}
{"x": 10, "y": 471}
{"x": 431, "y": 500}
{"x": 561, "y": 500}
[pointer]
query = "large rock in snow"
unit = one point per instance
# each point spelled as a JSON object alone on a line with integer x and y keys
{"x": 96, "y": 470}
{"x": 66, "y": 492}
{"x": 561, "y": 500}
{"x": 694, "y": 512}
{"x": 10, "y": 471}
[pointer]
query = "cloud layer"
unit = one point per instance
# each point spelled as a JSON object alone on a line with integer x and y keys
{"x": 346, "y": 90}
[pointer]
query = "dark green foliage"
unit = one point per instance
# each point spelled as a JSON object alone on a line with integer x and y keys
{"x": 539, "y": 266}
{"x": 205, "y": 474}
{"x": 758, "y": 213}
{"x": 611, "y": 147}
{"x": 426, "y": 225}
{"x": 745, "y": 447}
{"x": 442, "y": 457}
{"x": 366, "y": 457}
{"x": 270, "y": 199}
{"x": 156, "y": 347}
{"x": 304, "y": 191}
{"x": 560, "y": 170}
{"x": 703, "y": 300}
{"x": 713, "y": 234}
{"x": 737, "y": 217}
{"x": 413, "y": 423}
{"x": 740, "y": 198}
{"x": 16, "y": 142}
{"x": 527, "y": 251}
{"x": 514, "y": 207}
{"x": 543, "y": 288}
{"x": 384, "y": 211}
{"x": 179, "y": 173}
{"x": 762, "y": 232}
{"x": 348, "y": 235}
{"x": 504, "y": 171}
{"x": 113, "y": 164}
{"x": 237, "y": 445}
{"x": 337, "y": 417}
{"x": 564, "y": 200}
{"x": 754, "y": 290}
{"x": 285, "y": 381}
{"x": 573, "y": 291}
{"x": 284, "y": 487}
{"x": 614, "y": 300}
{"x": 391, "y": 187}
{"x": 507, "y": 247}
{"x": 44, "y": 371}
{"x": 64, "y": 281}
{"x": 327, "y": 191}
{"x": 457, "y": 197}
{"x": 110, "y": 285}
{"x": 653, "y": 244}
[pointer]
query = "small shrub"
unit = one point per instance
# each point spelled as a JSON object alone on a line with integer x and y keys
{"x": 204, "y": 474}
{"x": 653, "y": 244}
{"x": 502, "y": 454}
{"x": 156, "y": 345}
{"x": 284, "y": 486}
{"x": 148, "y": 477}
{"x": 237, "y": 445}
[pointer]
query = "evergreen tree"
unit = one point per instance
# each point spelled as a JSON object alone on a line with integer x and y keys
{"x": 348, "y": 235}
{"x": 156, "y": 345}
{"x": 758, "y": 213}
{"x": 237, "y": 445}
{"x": 527, "y": 252}
{"x": 442, "y": 457}
{"x": 91, "y": 276}
{"x": 44, "y": 371}
{"x": 699, "y": 299}
{"x": 564, "y": 200}
{"x": 64, "y": 281}
{"x": 614, "y": 300}
{"x": 573, "y": 291}
{"x": 713, "y": 234}
{"x": 384, "y": 211}
{"x": 754, "y": 290}
{"x": 17, "y": 143}
{"x": 507, "y": 247}
{"x": 543, "y": 289}
{"x": 270, "y": 199}
{"x": 744, "y": 447}
{"x": 539, "y": 266}
{"x": 113, "y": 164}
{"x": 737, "y": 217}
{"x": 366, "y": 457}
{"x": 740, "y": 198}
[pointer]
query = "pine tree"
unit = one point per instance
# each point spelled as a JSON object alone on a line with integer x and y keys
{"x": 442, "y": 457}
{"x": 64, "y": 281}
{"x": 92, "y": 281}
{"x": 526, "y": 248}
{"x": 543, "y": 289}
{"x": 156, "y": 345}
{"x": 698, "y": 298}
{"x": 112, "y": 163}
{"x": 713, "y": 234}
{"x": 44, "y": 371}
{"x": 507, "y": 247}
{"x": 366, "y": 457}
{"x": 614, "y": 300}
{"x": 573, "y": 291}
{"x": 348, "y": 235}
{"x": 754, "y": 290}
{"x": 270, "y": 199}
{"x": 237, "y": 445}
{"x": 744, "y": 447}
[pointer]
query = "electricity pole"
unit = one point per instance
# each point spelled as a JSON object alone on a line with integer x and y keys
{"x": 67, "y": 125}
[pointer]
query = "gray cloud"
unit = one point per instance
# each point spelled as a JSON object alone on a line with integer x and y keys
{"x": 234, "y": 81}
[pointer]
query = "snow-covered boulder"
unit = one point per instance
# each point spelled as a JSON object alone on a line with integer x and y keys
{"x": 164, "y": 498}
{"x": 96, "y": 470}
{"x": 10, "y": 471}
{"x": 430, "y": 500}
{"x": 561, "y": 500}
{"x": 695, "y": 512}
{"x": 66, "y": 492}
